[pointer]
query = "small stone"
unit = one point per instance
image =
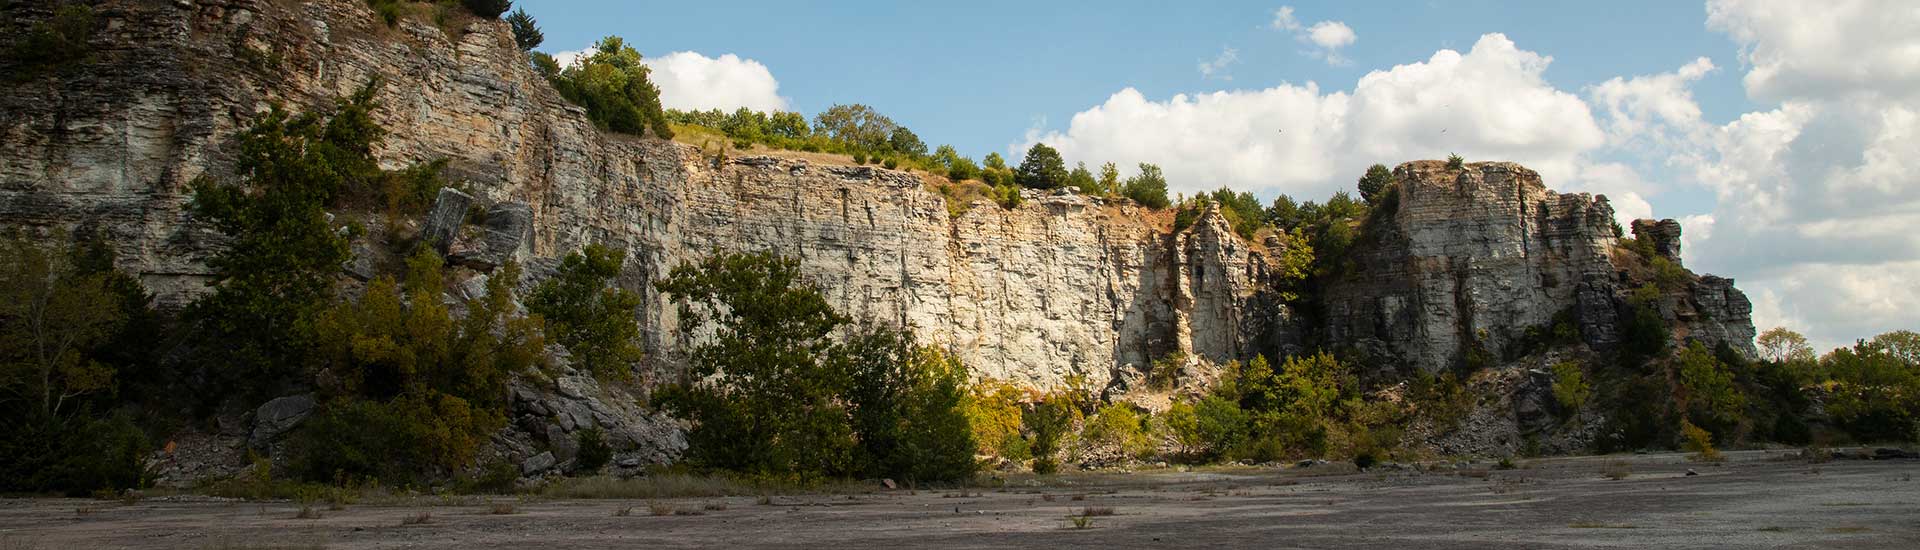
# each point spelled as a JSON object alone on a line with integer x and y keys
{"x": 1691, "y": 473}
{"x": 888, "y": 483}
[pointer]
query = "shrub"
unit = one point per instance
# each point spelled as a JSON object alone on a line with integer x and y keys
{"x": 1454, "y": 162}
{"x": 1570, "y": 386}
{"x": 614, "y": 87}
{"x": 526, "y": 31}
{"x": 890, "y": 163}
{"x": 1699, "y": 442}
{"x": 993, "y": 412}
{"x": 56, "y": 44}
{"x": 389, "y": 10}
{"x": 1148, "y": 188}
{"x": 594, "y": 450}
{"x": 773, "y": 393}
{"x": 73, "y": 455}
{"x": 962, "y": 169}
{"x": 1047, "y": 424}
{"x": 859, "y": 157}
{"x": 1874, "y": 384}
{"x": 1669, "y": 276}
{"x": 1209, "y": 427}
{"x": 1118, "y": 426}
{"x": 591, "y": 316}
{"x": 1708, "y": 389}
{"x": 488, "y": 9}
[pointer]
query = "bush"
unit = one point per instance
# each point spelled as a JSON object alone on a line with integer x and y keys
{"x": 1208, "y": 428}
{"x": 1047, "y": 425}
{"x": 994, "y": 413}
{"x": 890, "y": 163}
{"x": 75, "y": 456}
{"x": 859, "y": 158}
{"x": 589, "y": 315}
{"x": 1148, "y": 188}
{"x": 1118, "y": 426}
{"x": 1699, "y": 442}
{"x": 59, "y": 43}
{"x": 594, "y": 450}
{"x": 1454, "y": 162}
{"x": 488, "y": 9}
{"x": 774, "y": 393}
{"x": 408, "y": 441}
{"x": 1570, "y": 388}
{"x": 389, "y": 10}
{"x": 614, "y": 87}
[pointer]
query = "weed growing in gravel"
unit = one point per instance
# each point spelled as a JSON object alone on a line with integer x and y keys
{"x": 502, "y": 509}
{"x": 1080, "y": 522}
{"x": 1096, "y": 511}
{"x": 660, "y": 509}
{"x": 623, "y": 511}
{"x": 714, "y": 506}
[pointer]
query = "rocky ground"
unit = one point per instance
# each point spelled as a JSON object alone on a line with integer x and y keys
{"x": 1757, "y": 499}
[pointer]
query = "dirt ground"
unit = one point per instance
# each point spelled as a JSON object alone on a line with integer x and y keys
{"x": 1757, "y": 499}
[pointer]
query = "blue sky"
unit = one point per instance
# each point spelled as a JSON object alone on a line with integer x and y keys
{"x": 1784, "y": 134}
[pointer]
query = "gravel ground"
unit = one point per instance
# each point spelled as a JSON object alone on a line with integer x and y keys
{"x": 1757, "y": 499}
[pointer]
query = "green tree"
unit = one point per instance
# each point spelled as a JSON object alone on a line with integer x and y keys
{"x": 1454, "y": 162}
{"x": 857, "y": 125}
{"x": 1082, "y": 180}
{"x": 1570, "y": 386}
{"x": 614, "y": 87}
{"x": 1148, "y": 188}
{"x": 1041, "y": 169}
{"x": 1047, "y": 424}
{"x": 994, "y": 411}
{"x": 52, "y": 316}
{"x": 1876, "y": 388}
{"x": 905, "y": 142}
{"x": 995, "y": 161}
{"x": 1707, "y": 388}
{"x": 1120, "y": 427}
{"x": 592, "y": 317}
{"x": 1374, "y": 184}
{"x": 907, "y": 405}
{"x": 1209, "y": 427}
{"x": 1780, "y": 345}
{"x": 526, "y": 30}
{"x": 1109, "y": 182}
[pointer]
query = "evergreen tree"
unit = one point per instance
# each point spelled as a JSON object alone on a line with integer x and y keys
{"x": 1375, "y": 182}
{"x": 1148, "y": 188}
{"x": 526, "y": 31}
{"x": 1042, "y": 169}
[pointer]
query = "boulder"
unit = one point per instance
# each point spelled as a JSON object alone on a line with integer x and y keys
{"x": 444, "y": 221}
{"x": 507, "y": 226}
{"x": 538, "y": 463}
{"x": 277, "y": 417}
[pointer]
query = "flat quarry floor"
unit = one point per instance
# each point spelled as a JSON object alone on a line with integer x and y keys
{"x": 1757, "y": 499}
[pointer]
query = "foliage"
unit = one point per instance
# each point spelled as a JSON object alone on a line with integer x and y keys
{"x": 590, "y": 315}
{"x": 1041, "y": 169}
{"x": 1373, "y": 185}
{"x": 993, "y": 411}
{"x": 858, "y": 125}
{"x": 487, "y": 9}
{"x": 1780, "y": 345}
{"x": 410, "y": 391}
{"x": 59, "y": 43}
{"x": 1668, "y": 275}
{"x": 1109, "y": 180}
{"x": 1876, "y": 387}
{"x": 905, "y": 142}
{"x": 1708, "y": 390}
{"x": 772, "y": 393}
{"x": 1644, "y": 333}
{"x": 1147, "y": 188}
{"x": 1118, "y": 426}
{"x": 1047, "y": 425}
{"x": 1164, "y": 374}
{"x": 1699, "y": 442}
{"x": 614, "y": 87}
{"x": 1454, "y": 162}
{"x": 594, "y": 450}
{"x": 1209, "y": 427}
{"x": 1081, "y": 179}
{"x": 74, "y": 455}
{"x": 1570, "y": 388}
{"x": 526, "y": 30}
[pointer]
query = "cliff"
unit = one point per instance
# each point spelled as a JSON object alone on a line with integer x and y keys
{"x": 1458, "y": 272}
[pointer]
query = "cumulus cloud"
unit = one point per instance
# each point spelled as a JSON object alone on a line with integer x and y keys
{"x": 1218, "y": 65}
{"x": 1816, "y": 208}
{"x": 1325, "y": 38}
{"x": 691, "y": 81}
{"x": 1488, "y": 103}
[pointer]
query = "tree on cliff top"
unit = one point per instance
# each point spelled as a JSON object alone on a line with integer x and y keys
{"x": 488, "y": 9}
{"x": 1375, "y": 182}
{"x": 613, "y": 85}
{"x": 526, "y": 30}
{"x": 1148, "y": 188}
{"x": 1042, "y": 169}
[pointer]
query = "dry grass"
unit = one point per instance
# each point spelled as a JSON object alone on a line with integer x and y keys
{"x": 714, "y": 507}
{"x": 623, "y": 511}
{"x": 660, "y": 509}
{"x": 307, "y": 512}
{"x": 502, "y": 509}
{"x": 1096, "y": 511}
{"x": 422, "y": 518}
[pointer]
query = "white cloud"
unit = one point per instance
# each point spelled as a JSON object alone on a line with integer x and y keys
{"x": 1325, "y": 37}
{"x": 1489, "y": 103}
{"x": 1218, "y": 65}
{"x": 692, "y": 81}
{"x": 1817, "y": 211}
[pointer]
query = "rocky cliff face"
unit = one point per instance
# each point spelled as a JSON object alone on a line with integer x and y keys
{"x": 1476, "y": 265}
{"x": 1063, "y": 286}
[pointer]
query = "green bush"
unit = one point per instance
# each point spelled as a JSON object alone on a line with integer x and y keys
{"x": 594, "y": 450}
{"x": 74, "y": 455}
{"x": 614, "y": 87}
{"x": 1148, "y": 188}
{"x": 1208, "y": 428}
{"x": 408, "y": 441}
{"x": 56, "y": 44}
{"x": 890, "y": 163}
{"x": 859, "y": 158}
{"x": 1454, "y": 162}
{"x": 994, "y": 411}
{"x": 1118, "y": 426}
{"x": 1874, "y": 387}
{"x": 1047, "y": 425}
{"x": 591, "y": 316}
{"x": 773, "y": 393}
{"x": 1570, "y": 388}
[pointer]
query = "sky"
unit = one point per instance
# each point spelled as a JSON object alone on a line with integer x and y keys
{"x": 1783, "y": 134}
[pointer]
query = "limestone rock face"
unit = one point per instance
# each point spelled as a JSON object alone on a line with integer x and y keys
{"x": 1663, "y": 234}
{"x": 1064, "y": 286}
{"x": 1470, "y": 259}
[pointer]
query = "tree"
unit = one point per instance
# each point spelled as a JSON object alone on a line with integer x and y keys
{"x": 526, "y": 30}
{"x": 57, "y": 44}
{"x": 1109, "y": 181}
{"x": 1041, "y": 169}
{"x": 994, "y": 411}
{"x": 773, "y": 392}
{"x": 857, "y": 125}
{"x": 1082, "y": 180}
{"x": 1117, "y": 426}
{"x": 1207, "y": 428}
{"x": 488, "y": 9}
{"x": 52, "y": 315}
{"x": 995, "y": 161}
{"x": 1454, "y": 162}
{"x": 1375, "y": 182}
{"x": 963, "y": 169}
{"x": 1708, "y": 390}
{"x": 1047, "y": 424}
{"x": 614, "y": 86}
{"x": 1285, "y": 213}
{"x": 593, "y": 318}
{"x": 1780, "y": 345}
{"x": 788, "y": 124}
{"x": 1148, "y": 188}
{"x": 905, "y": 142}
{"x": 1874, "y": 387}
{"x": 1570, "y": 386}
